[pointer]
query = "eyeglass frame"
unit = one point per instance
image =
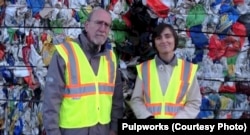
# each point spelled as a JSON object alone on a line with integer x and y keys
{"x": 100, "y": 23}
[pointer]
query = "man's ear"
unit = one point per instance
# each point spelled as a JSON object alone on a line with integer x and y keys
{"x": 86, "y": 23}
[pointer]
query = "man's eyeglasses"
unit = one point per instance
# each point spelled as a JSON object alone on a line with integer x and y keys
{"x": 100, "y": 23}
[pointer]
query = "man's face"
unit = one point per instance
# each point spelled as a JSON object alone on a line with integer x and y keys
{"x": 98, "y": 27}
{"x": 165, "y": 42}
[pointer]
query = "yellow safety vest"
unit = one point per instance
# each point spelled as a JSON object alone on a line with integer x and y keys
{"x": 166, "y": 106}
{"x": 87, "y": 98}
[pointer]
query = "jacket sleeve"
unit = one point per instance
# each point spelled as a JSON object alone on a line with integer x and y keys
{"x": 53, "y": 94}
{"x": 137, "y": 103}
{"x": 192, "y": 106}
{"x": 117, "y": 103}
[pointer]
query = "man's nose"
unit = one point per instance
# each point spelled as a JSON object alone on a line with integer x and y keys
{"x": 102, "y": 26}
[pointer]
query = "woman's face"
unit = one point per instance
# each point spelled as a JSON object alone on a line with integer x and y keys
{"x": 165, "y": 42}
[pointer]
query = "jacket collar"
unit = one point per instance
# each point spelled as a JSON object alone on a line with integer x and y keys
{"x": 85, "y": 45}
{"x": 159, "y": 61}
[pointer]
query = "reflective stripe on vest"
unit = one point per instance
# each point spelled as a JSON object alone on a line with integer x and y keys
{"x": 155, "y": 109}
{"x": 88, "y": 90}
{"x": 166, "y": 106}
{"x": 87, "y": 97}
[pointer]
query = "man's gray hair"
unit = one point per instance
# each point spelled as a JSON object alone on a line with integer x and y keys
{"x": 93, "y": 11}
